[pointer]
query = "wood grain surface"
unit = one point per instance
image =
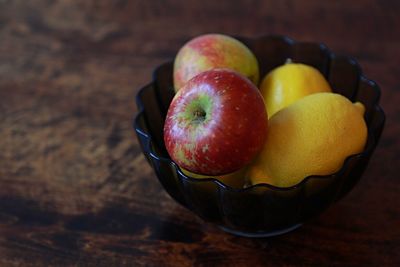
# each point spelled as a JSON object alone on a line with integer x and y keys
{"x": 75, "y": 189}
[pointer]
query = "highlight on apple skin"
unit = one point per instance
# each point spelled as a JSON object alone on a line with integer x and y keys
{"x": 210, "y": 51}
{"x": 216, "y": 124}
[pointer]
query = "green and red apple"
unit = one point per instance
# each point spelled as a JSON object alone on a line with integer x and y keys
{"x": 211, "y": 51}
{"x": 216, "y": 124}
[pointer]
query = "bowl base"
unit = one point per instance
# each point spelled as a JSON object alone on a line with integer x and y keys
{"x": 261, "y": 233}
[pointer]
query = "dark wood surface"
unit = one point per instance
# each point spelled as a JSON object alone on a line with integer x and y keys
{"x": 75, "y": 189}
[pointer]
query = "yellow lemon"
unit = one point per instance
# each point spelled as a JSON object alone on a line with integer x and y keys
{"x": 290, "y": 82}
{"x": 313, "y": 136}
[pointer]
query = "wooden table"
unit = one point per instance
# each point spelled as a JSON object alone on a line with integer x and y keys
{"x": 75, "y": 189}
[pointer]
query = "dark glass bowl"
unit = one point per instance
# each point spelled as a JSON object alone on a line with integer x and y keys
{"x": 261, "y": 210}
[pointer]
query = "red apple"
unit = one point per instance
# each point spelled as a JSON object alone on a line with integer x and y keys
{"x": 216, "y": 124}
{"x": 210, "y": 51}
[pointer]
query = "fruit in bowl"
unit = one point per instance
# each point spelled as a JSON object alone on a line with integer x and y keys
{"x": 262, "y": 209}
{"x": 313, "y": 136}
{"x": 206, "y": 126}
{"x": 287, "y": 83}
{"x": 211, "y": 51}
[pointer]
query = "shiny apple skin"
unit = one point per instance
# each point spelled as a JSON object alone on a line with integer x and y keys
{"x": 216, "y": 124}
{"x": 211, "y": 51}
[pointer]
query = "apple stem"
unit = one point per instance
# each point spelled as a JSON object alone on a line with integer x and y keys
{"x": 199, "y": 115}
